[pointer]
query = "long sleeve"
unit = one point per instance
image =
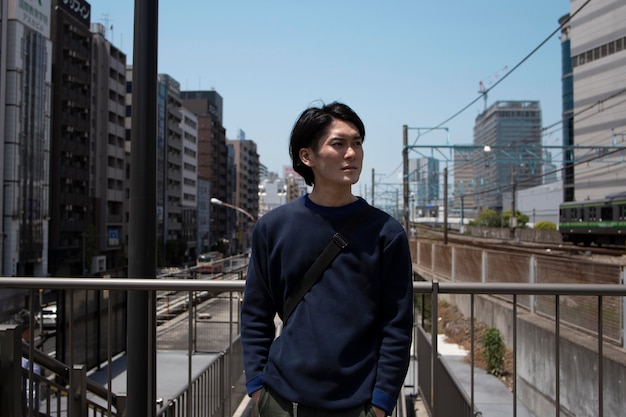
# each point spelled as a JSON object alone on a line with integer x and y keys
{"x": 396, "y": 322}
{"x": 257, "y": 315}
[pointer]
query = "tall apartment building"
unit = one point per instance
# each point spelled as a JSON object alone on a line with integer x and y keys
{"x": 272, "y": 193}
{"x": 169, "y": 171}
{"x": 213, "y": 161}
{"x": 296, "y": 186}
{"x": 104, "y": 242}
{"x": 510, "y": 129}
{"x": 598, "y": 52}
{"x": 25, "y": 94}
{"x": 424, "y": 184}
{"x": 203, "y": 216}
{"x": 463, "y": 187}
{"x": 71, "y": 211}
{"x": 246, "y": 194}
{"x": 189, "y": 126}
{"x": 567, "y": 97}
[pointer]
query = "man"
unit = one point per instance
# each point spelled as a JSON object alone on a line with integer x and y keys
{"x": 345, "y": 349}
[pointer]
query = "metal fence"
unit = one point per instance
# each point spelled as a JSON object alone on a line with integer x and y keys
{"x": 210, "y": 393}
{"x": 474, "y": 265}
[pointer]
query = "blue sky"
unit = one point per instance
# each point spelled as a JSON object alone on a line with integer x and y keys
{"x": 395, "y": 63}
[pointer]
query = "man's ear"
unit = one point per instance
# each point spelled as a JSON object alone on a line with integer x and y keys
{"x": 305, "y": 156}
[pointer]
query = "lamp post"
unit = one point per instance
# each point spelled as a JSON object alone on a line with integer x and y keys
{"x": 219, "y": 202}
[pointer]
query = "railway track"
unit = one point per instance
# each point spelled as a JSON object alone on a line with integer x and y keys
{"x": 515, "y": 245}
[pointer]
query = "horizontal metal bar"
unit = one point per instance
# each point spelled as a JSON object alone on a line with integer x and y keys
{"x": 124, "y": 284}
{"x": 131, "y": 284}
{"x": 532, "y": 289}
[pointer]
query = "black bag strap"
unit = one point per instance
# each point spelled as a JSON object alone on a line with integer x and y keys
{"x": 337, "y": 243}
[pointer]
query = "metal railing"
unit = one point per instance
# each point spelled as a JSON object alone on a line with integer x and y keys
{"x": 209, "y": 393}
{"x": 212, "y": 382}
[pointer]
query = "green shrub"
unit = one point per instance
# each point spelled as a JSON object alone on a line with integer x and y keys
{"x": 545, "y": 225}
{"x": 493, "y": 351}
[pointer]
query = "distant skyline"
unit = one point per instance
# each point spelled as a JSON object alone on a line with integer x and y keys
{"x": 405, "y": 62}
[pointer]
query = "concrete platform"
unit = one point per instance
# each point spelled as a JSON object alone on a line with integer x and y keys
{"x": 172, "y": 372}
{"x": 491, "y": 396}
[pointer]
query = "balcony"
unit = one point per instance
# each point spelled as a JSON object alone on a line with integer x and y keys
{"x": 209, "y": 379}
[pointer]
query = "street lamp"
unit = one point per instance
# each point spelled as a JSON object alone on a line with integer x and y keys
{"x": 219, "y": 202}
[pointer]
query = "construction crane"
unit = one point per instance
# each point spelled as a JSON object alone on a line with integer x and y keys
{"x": 484, "y": 87}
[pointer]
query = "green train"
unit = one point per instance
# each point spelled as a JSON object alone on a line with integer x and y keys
{"x": 599, "y": 222}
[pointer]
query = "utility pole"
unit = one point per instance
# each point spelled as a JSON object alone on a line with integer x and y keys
{"x": 373, "y": 180}
{"x": 513, "y": 219}
{"x": 405, "y": 175}
{"x": 445, "y": 206}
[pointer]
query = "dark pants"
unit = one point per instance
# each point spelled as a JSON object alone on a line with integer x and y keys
{"x": 271, "y": 404}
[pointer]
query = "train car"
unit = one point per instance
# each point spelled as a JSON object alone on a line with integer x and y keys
{"x": 210, "y": 263}
{"x": 599, "y": 222}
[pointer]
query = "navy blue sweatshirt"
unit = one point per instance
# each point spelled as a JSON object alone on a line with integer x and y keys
{"x": 348, "y": 341}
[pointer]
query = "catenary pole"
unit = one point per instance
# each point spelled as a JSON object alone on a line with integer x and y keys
{"x": 141, "y": 349}
{"x": 405, "y": 177}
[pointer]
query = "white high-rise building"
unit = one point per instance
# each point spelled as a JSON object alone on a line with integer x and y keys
{"x": 25, "y": 118}
{"x": 598, "y": 51}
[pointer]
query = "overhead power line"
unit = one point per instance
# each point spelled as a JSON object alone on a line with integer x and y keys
{"x": 515, "y": 67}
{"x": 496, "y": 83}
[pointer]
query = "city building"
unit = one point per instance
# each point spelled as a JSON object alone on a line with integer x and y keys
{"x": 26, "y": 66}
{"x": 203, "y": 216}
{"x": 169, "y": 172}
{"x": 540, "y": 203}
{"x": 597, "y": 37}
{"x": 424, "y": 185}
{"x": 272, "y": 192}
{"x": 71, "y": 208}
{"x": 189, "y": 126}
{"x": 105, "y": 249}
{"x": 246, "y": 193}
{"x": 510, "y": 132}
{"x": 567, "y": 88}
{"x": 464, "y": 184}
{"x": 296, "y": 186}
{"x": 213, "y": 165}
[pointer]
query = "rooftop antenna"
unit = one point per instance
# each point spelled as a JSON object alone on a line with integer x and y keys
{"x": 107, "y": 21}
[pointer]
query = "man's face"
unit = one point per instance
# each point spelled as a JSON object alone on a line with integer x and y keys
{"x": 338, "y": 159}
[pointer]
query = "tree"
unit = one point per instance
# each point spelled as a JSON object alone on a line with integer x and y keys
{"x": 487, "y": 218}
{"x": 522, "y": 219}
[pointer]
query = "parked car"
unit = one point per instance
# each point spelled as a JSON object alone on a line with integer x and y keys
{"x": 210, "y": 262}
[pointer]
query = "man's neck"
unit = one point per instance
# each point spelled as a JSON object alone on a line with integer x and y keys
{"x": 332, "y": 198}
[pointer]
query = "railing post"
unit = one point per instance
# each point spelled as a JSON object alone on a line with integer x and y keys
{"x": 533, "y": 280}
{"x": 10, "y": 369}
{"x": 623, "y": 324}
{"x": 600, "y": 360}
{"x": 434, "y": 314}
{"x": 483, "y": 268}
{"x": 120, "y": 405}
{"x": 78, "y": 391}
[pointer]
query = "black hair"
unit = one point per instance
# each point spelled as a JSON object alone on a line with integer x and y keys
{"x": 311, "y": 126}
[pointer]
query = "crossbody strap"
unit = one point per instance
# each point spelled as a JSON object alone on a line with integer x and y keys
{"x": 337, "y": 243}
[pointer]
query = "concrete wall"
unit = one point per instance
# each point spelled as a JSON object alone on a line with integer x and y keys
{"x": 536, "y": 362}
{"x": 525, "y": 235}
